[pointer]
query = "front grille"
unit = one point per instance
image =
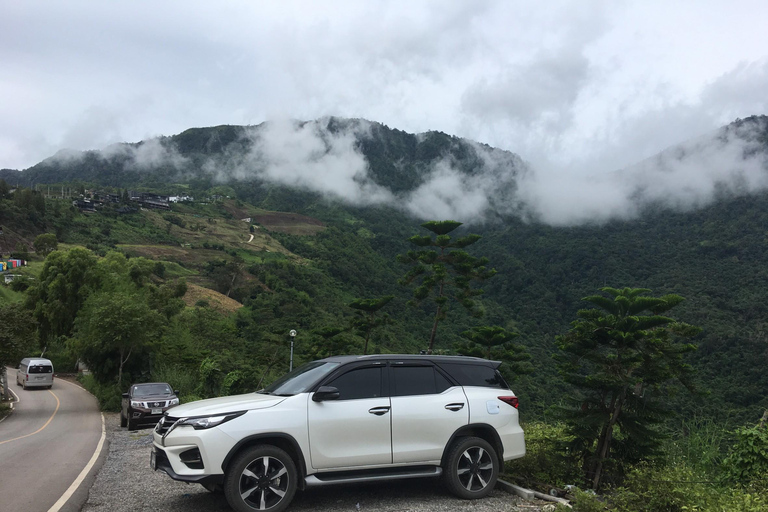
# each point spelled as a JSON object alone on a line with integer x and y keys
{"x": 154, "y": 405}
{"x": 164, "y": 424}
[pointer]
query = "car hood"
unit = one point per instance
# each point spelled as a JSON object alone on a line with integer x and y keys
{"x": 225, "y": 404}
{"x": 150, "y": 398}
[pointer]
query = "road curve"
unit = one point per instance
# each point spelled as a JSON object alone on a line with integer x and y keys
{"x": 45, "y": 444}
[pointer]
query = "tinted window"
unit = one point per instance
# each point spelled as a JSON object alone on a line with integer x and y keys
{"x": 40, "y": 369}
{"x": 151, "y": 390}
{"x": 300, "y": 379}
{"x": 475, "y": 375}
{"x": 418, "y": 380}
{"x": 359, "y": 383}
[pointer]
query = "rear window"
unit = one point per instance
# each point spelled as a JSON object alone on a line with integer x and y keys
{"x": 475, "y": 375}
{"x": 40, "y": 369}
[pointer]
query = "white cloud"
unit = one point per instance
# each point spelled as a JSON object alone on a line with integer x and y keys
{"x": 576, "y": 87}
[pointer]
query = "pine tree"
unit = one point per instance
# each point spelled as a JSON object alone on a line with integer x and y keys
{"x": 496, "y": 343}
{"x": 443, "y": 271}
{"x": 365, "y": 320}
{"x": 621, "y": 357}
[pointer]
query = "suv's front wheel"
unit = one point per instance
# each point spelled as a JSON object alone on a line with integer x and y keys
{"x": 472, "y": 468}
{"x": 263, "y": 477}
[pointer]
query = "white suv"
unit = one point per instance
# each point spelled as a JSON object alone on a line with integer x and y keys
{"x": 347, "y": 419}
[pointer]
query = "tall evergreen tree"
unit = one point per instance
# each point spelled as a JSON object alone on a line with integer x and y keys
{"x": 442, "y": 270}
{"x": 494, "y": 342}
{"x": 366, "y": 319}
{"x": 621, "y": 356}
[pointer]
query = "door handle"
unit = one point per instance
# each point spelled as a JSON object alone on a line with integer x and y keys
{"x": 455, "y": 407}
{"x": 378, "y": 411}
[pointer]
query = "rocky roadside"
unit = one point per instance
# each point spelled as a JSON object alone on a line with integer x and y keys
{"x": 126, "y": 483}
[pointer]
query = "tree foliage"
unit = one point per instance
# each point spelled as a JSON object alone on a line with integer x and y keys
{"x": 442, "y": 270}
{"x": 366, "y": 319}
{"x": 17, "y": 334}
{"x": 111, "y": 328}
{"x": 621, "y": 356}
{"x": 45, "y": 244}
{"x": 66, "y": 281}
{"x": 494, "y": 342}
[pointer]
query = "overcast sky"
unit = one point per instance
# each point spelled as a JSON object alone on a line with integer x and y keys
{"x": 576, "y": 87}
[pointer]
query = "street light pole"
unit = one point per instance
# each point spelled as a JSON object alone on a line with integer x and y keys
{"x": 293, "y": 337}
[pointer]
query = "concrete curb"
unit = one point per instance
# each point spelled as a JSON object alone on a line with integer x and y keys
{"x": 528, "y": 494}
{"x": 524, "y": 493}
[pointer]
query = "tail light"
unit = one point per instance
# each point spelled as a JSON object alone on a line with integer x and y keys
{"x": 26, "y": 377}
{"x": 510, "y": 400}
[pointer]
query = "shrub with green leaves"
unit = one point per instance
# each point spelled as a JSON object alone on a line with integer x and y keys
{"x": 747, "y": 461}
{"x": 544, "y": 460}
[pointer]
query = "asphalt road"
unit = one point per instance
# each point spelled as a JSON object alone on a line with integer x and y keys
{"x": 45, "y": 444}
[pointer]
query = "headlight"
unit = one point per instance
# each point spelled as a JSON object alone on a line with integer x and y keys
{"x": 204, "y": 422}
{"x": 136, "y": 404}
{"x": 174, "y": 401}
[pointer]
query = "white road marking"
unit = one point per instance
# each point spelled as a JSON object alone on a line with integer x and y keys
{"x": 79, "y": 480}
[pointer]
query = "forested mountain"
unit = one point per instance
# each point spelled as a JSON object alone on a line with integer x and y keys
{"x": 369, "y": 187}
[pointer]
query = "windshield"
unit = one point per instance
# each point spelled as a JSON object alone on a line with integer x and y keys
{"x": 151, "y": 390}
{"x": 300, "y": 379}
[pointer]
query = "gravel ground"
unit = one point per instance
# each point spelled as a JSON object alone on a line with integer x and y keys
{"x": 125, "y": 483}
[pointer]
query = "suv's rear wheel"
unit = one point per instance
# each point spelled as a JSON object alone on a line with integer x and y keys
{"x": 472, "y": 468}
{"x": 263, "y": 477}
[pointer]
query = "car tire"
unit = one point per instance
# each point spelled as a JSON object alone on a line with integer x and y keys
{"x": 263, "y": 477}
{"x": 123, "y": 421}
{"x": 472, "y": 468}
{"x": 132, "y": 424}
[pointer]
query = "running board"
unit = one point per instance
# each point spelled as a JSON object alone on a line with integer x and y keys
{"x": 371, "y": 475}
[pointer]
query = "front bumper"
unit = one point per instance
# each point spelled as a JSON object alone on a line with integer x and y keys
{"x": 211, "y": 446}
{"x": 159, "y": 461}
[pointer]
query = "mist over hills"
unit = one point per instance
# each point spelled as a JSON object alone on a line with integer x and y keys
{"x": 428, "y": 175}
{"x": 691, "y": 220}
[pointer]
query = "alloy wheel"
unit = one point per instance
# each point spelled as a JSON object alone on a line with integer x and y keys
{"x": 264, "y": 483}
{"x": 475, "y": 469}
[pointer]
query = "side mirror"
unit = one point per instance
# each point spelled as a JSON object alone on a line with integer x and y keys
{"x": 176, "y": 392}
{"x": 126, "y": 395}
{"x": 325, "y": 393}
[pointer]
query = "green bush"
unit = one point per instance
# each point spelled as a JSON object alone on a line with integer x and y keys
{"x": 585, "y": 501}
{"x": 672, "y": 488}
{"x": 679, "y": 488}
{"x": 108, "y": 395}
{"x": 180, "y": 378}
{"x": 747, "y": 461}
{"x": 699, "y": 443}
{"x": 545, "y": 461}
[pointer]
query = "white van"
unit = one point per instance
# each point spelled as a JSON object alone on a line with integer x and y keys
{"x": 35, "y": 372}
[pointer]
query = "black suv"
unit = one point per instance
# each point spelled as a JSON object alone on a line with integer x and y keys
{"x": 144, "y": 404}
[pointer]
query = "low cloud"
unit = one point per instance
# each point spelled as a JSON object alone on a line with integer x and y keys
{"x": 730, "y": 161}
{"x": 147, "y": 155}
{"x": 310, "y": 156}
{"x": 323, "y": 156}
